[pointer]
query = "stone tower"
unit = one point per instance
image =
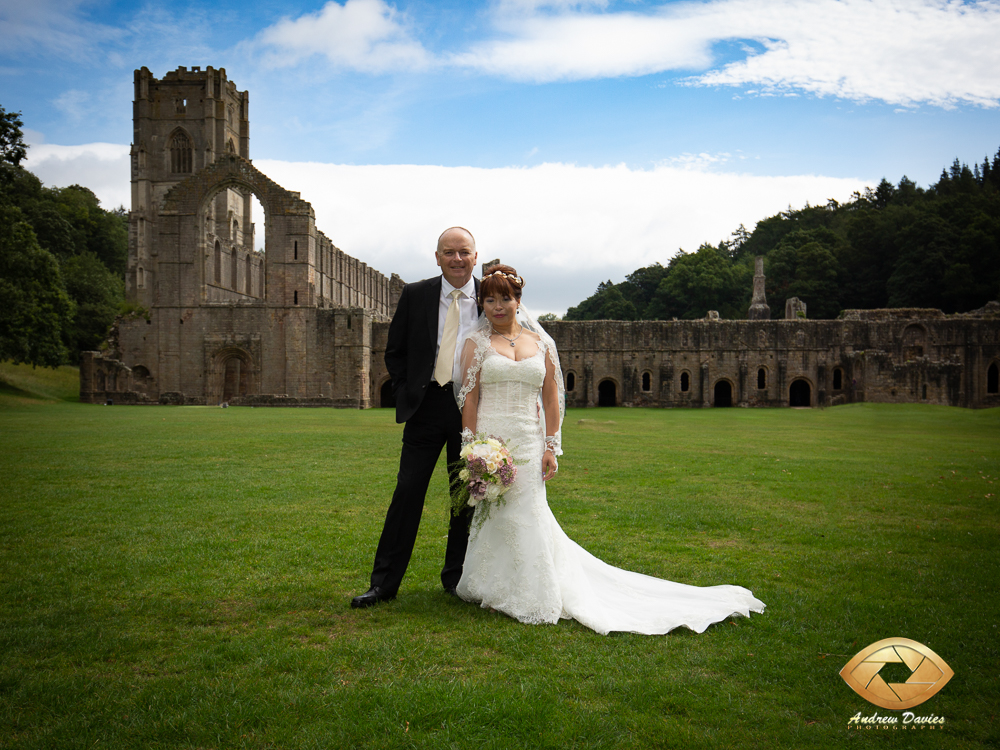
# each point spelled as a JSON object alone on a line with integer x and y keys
{"x": 218, "y": 319}
{"x": 758, "y": 305}
{"x": 181, "y": 124}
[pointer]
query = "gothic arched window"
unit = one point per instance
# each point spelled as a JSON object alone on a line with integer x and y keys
{"x": 180, "y": 153}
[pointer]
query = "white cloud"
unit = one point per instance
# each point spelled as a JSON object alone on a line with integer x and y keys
{"x": 699, "y": 161}
{"x": 102, "y": 167}
{"x": 365, "y": 35}
{"x": 576, "y": 46}
{"x": 898, "y": 51}
{"x": 564, "y": 227}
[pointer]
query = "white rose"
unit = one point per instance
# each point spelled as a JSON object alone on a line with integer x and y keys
{"x": 493, "y": 491}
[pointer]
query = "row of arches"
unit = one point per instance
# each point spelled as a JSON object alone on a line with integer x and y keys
{"x": 685, "y": 380}
{"x": 239, "y": 269}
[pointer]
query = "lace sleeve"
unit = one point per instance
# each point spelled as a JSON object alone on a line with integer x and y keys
{"x": 554, "y": 442}
{"x": 473, "y": 353}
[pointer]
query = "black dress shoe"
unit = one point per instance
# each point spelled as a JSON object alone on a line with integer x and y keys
{"x": 451, "y": 590}
{"x": 370, "y": 598}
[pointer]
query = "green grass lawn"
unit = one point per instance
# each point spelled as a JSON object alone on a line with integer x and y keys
{"x": 181, "y": 577}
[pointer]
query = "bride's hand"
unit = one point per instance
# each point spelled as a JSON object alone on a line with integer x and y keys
{"x": 549, "y": 465}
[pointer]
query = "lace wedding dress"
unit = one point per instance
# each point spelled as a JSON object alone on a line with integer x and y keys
{"x": 520, "y": 562}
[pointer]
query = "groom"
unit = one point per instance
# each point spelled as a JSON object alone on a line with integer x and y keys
{"x": 431, "y": 322}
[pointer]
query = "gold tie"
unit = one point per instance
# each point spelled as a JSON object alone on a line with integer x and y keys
{"x": 446, "y": 352}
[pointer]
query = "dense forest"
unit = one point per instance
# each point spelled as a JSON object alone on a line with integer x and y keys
{"x": 62, "y": 262}
{"x": 894, "y": 246}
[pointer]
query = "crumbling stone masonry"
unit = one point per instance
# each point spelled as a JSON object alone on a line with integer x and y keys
{"x": 303, "y": 324}
{"x": 218, "y": 320}
{"x": 886, "y": 356}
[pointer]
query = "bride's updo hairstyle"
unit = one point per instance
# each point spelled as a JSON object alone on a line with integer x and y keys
{"x": 500, "y": 280}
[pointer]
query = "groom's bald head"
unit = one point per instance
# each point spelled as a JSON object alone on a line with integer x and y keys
{"x": 451, "y": 230}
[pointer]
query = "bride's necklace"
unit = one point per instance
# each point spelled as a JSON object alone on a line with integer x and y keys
{"x": 505, "y": 338}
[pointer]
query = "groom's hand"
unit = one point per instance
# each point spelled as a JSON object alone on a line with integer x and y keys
{"x": 549, "y": 465}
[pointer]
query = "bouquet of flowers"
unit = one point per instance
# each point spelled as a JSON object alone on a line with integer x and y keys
{"x": 486, "y": 471}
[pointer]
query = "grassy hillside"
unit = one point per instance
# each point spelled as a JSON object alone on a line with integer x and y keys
{"x": 22, "y": 384}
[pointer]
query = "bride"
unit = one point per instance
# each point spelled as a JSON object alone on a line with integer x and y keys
{"x": 519, "y": 561}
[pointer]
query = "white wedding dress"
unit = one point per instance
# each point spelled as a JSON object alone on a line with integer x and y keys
{"x": 520, "y": 562}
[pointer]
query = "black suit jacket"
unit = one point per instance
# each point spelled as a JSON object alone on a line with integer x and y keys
{"x": 412, "y": 343}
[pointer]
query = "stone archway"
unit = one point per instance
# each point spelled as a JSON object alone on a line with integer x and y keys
{"x": 235, "y": 379}
{"x": 800, "y": 393}
{"x": 235, "y": 374}
{"x": 723, "y": 395}
{"x": 141, "y": 380}
{"x": 607, "y": 393}
{"x": 913, "y": 341}
{"x": 183, "y": 240}
{"x": 386, "y": 399}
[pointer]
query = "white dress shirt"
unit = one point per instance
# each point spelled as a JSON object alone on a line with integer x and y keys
{"x": 467, "y": 317}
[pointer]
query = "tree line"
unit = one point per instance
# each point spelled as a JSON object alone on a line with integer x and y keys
{"x": 62, "y": 262}
{"x": 895, "y": 246}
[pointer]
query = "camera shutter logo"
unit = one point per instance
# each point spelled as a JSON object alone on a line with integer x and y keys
{"x": 928, "y": 673}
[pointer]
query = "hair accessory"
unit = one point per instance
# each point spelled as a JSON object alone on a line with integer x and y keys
{"x": 516, "y": 279}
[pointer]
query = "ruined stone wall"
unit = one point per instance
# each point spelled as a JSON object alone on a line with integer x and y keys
{"x": 241, "y": 355}
{"x": 223, "y": 322}
{"x": 305, "y": 324}
{"x": 880, "y": 357}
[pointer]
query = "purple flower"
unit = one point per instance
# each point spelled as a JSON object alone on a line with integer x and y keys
{"x": 477, "y": 465}
{"x": 477, "y": 488}
{"x": 506, "y": 474}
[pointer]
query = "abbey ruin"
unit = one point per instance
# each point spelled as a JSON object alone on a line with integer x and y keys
{"x": 301, "y": 323}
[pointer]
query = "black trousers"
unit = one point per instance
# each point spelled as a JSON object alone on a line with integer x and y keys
{"x": 436, "y": 424}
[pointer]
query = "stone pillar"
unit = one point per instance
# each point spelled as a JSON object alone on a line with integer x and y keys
{"x": 665, "y": 394}
{"x": 793, "y": 308}
{"x": 758, "y": 305}
{"x": 782, "y": 381}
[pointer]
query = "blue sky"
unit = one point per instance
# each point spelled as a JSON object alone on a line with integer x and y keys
{"x": 578, "y": 140}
